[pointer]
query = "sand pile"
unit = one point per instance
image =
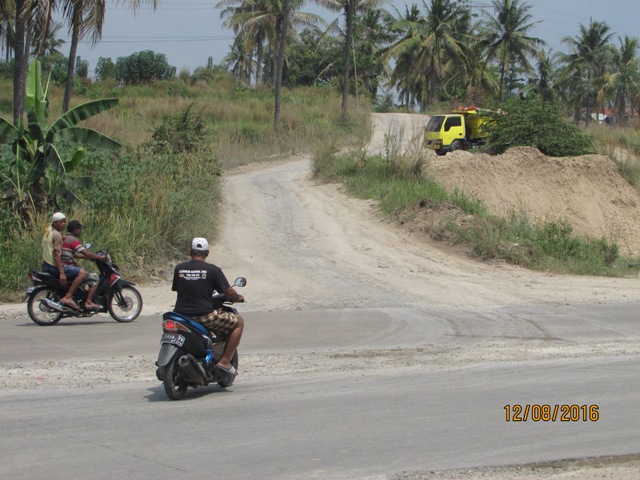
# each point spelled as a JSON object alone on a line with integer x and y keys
{"x": 585, "y": 191}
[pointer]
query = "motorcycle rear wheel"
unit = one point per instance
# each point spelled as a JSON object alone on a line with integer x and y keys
{"x": 39, "y": 313}
{"x": 174, "y": 385}
{"x": 126, "y": 304}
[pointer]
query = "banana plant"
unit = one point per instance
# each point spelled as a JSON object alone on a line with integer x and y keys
{"x": 38, "y": 173}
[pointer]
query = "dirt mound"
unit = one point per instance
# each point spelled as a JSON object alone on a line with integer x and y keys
{"x": 587, "y": 192}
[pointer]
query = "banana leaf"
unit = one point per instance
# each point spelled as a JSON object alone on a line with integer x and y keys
{"x": 88, "y": 136}
{"x": 34, "y": 126}
{"x": 9, "y": 133}
{"x": 80, "y": 113}
{"x": 35, "y": 98}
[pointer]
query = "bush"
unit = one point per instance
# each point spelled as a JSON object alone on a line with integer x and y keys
{"x": 143, "y": 67}
{"x": 535, "y": 123}
{"x": 105, "y": 69}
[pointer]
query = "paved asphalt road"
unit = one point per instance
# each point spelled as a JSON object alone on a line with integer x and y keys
{"x": 338, "y": 425}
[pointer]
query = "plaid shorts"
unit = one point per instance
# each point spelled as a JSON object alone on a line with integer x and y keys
{"x": 219, "y": 321}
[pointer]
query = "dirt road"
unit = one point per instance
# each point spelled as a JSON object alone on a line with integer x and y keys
{"x": 305, "y": 245}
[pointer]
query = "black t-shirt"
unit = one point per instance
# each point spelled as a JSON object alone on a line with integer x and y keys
{"x": 195, "y": 281}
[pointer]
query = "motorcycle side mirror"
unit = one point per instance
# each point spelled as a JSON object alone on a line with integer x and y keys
{"x": 87, "y": 246}
{"x": 240, "y": 282}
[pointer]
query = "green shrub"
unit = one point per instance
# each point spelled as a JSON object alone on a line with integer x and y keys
{"x": 535, "y": 123}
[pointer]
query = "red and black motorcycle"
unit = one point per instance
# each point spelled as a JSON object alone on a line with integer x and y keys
{"x": 114, "y": 294}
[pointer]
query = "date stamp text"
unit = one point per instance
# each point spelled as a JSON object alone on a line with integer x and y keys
{"x": 551, "y": 413}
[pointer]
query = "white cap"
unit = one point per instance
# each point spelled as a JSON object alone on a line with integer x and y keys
{"x": 57, "y": 217}
{"x": 200, "y": 244}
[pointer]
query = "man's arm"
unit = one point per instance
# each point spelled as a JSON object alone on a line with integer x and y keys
{"x": 90, "y": 255}
{"x": 234, "y": 296}
{"x": 57, "y": 248}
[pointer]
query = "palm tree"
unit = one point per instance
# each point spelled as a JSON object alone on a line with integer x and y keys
{"x": 283, "y": 22}
{"x": 274, "y": 20}
{"x": 585, "y": 67}
{"x": 7, "y": 17}
{"x": 259, "y": 22}
{"x": 349, "y": 7}
{"x": 34, "y": 19}
{"x": 506, "y": 37}
{"x": 52, "y": 44}
{"x": 403, "y": 76}
{"x": 254, "y": 28}
{"x": 546, "y": 73}
{"x": 85, "y": 17}
{"x": 626, "y": 76}
{"x": 436, "y": 44}
{"x": 238, "y": 61}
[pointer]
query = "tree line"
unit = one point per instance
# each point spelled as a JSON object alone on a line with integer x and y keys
{"x": 428, "y": 53}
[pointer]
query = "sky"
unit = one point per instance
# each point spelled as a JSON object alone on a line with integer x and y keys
{"x": 188, "y": 32}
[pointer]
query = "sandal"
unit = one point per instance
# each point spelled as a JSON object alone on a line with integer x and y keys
{"x": 229, "y": 373}
{"x": 69, "y": 303}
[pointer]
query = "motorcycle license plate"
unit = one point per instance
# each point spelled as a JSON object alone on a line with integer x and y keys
{"x": 172, "y": 338}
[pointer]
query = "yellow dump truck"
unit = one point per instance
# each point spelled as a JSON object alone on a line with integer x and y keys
{"x": 458, "y": 130}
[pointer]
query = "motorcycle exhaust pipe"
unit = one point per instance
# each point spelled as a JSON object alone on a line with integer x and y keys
{"x": 195, "y": 372}
{"x": 53, "y": 305}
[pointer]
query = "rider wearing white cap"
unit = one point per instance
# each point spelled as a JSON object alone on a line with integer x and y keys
{"x": 51, "y": 249}
{"x": 195, "y": 282}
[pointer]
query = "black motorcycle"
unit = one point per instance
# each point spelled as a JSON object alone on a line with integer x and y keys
{"x": 114, "y": 294}
{"x": 189, "y": 352}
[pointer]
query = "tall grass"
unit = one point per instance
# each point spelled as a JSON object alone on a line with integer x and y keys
{"x": 623, "y": 146}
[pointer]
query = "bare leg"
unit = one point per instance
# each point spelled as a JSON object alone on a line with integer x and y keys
{"x": 74, "y": 286}
{"x": 233, "y": 340}
{"x": 89, "y": 303}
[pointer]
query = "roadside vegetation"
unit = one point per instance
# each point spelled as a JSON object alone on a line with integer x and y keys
{"x": 396, "y": 180}
{"x": 164, "y": 186}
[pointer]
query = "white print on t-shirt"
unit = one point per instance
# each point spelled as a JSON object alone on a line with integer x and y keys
{"x": 193, "y": 274}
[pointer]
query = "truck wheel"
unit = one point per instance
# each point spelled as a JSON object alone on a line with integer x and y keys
{"x": 456, "y": 145}
{"x": 441, "y": 152}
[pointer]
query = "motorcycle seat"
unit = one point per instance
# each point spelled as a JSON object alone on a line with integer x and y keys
{"x": 40, "y": 273}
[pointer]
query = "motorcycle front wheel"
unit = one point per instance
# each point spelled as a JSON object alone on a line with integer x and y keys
{"x": 39, "y": 313}
{"x": 125, "y": 304}
{"x": 174, "y": 385}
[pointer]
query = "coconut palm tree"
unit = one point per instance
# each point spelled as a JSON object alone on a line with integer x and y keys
{"x": 403, "y": 76}
{"x": 349, "y": 7}
{"x": 546, "y": 73}
{"x": 238, "y": 61}
{"x": 254, "y": 28}
{"x": 52, "y": 44}
{"x": 34, "y": 19}
{"x": 85, "y": 18}
{"x": 506, "y": 38}
{"x": 436, "y": 44}
{"x": 259, "y": 22}
{"x": 584, "y": 69}
{"x": 626, "y": 77}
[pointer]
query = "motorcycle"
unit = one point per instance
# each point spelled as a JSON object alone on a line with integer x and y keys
{"x": 189, "y": 352}
{"x": 114, "y": 294}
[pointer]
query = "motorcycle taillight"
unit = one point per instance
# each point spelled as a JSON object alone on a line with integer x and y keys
{"x": 173, "y": 326}
{"x": 169, "y": 326}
